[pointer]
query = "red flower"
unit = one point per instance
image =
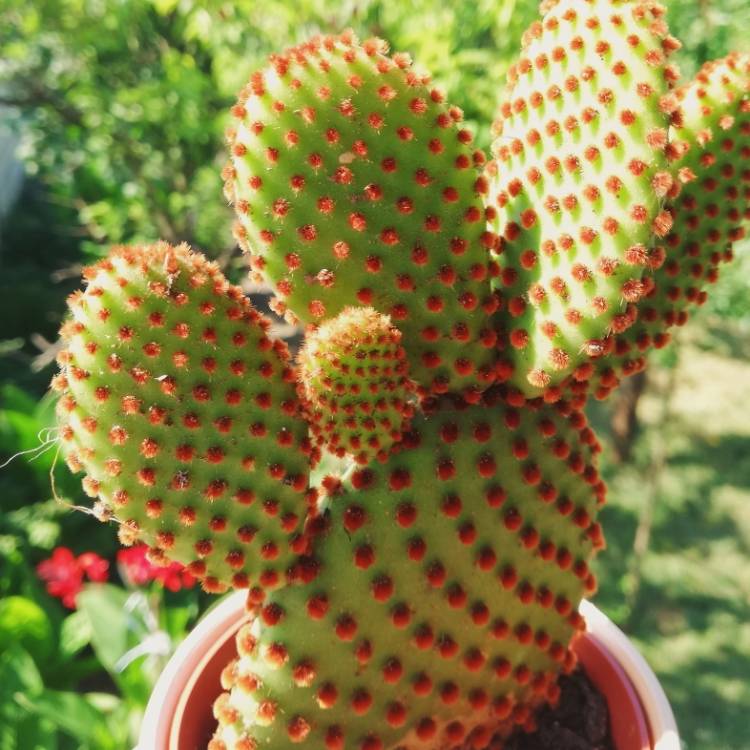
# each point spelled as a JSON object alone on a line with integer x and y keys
{"x": 64, "y": 573}
{"x": 136, "y": 570}
{"x": 174, "y": 577}
{"x": 96, "y": 568}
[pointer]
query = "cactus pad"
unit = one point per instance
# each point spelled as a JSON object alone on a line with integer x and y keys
{"x": 578, "y": 182}
{"x": 355, "y": 381}
{"x": 354, "y": 184}
{"x": 446, "y": 596}
{"x": 183, "y": 413}
{"x": 713, "y": 140}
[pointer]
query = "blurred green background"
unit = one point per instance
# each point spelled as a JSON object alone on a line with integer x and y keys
{"x": 111, "y": 122}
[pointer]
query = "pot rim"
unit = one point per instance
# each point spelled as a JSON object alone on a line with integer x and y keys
{"x": 192, "y": 654}
{"x": 188, "y": 656}
{"x": 659, "y": 714}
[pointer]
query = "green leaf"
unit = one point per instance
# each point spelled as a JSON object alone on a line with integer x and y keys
{"x": 25, "y": 623}
{"x": 27, "y": 733}
{"x": 176, "y": 619}
{"x": 75, "y": 633}
{"x": 164, "y": 7}
{"x": 15, "y": 399}
{"x": 115, "y": 626}
{"x": 25, "y": 427}
{"x": 69, "y": 711}
{"x": 137, "y": 680}
{"x": 18, "y": 673}
{"x": 104, "y": 702}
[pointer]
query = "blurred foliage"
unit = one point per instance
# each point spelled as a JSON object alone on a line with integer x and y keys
{"x": 66, "y": 682}
{"x": 685, "y": 597}
{"x": 81, "y": 682}
{"x": 124, "y": 103}
{"x": 121, "y": 107}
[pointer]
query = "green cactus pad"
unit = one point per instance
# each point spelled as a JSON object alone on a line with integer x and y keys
{"x": 355, "y": 382}
{"x": 446, "y": 596}
{"x": 354, "y": 184}
{"x": 713, "y": 139}
{"x": 578, "y": 183}
{"x": 183, "y": 413}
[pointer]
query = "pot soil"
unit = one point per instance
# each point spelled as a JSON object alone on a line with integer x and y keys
{"x": 580, "y": 721}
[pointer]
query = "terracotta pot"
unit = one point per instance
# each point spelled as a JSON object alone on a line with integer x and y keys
{"x": 179, "y": 717}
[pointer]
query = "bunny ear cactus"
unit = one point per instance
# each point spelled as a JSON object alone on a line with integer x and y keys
{"x": 712, "y": 138}
{"x": 354, "y": 184}
{"x": 578, "y": 183}
{"x": 427, "y": 597}
{"x": 354, "y": 374}
{"x": 446, "y": 596}
{"x": 183, "y": 413}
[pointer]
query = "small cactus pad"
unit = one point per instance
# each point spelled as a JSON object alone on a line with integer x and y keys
{"x": 714, "y": 142}
{"x": 355, "y": 381}
{"x": 183, "y": 413}
{"x": 578, "y": 182}
{"x": 354, "y": 184}
{"x": 446, "y": 595}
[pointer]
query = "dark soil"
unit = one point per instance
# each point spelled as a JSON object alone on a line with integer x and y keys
{"x": 580, "y": 721}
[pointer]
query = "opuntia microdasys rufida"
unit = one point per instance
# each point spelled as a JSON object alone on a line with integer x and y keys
{"x": 457, "y": 316}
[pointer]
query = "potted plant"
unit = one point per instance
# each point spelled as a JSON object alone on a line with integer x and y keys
{"x": 177, "y": 718}
{"x": 458, "y": 313}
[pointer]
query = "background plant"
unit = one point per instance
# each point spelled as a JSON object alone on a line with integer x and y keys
{"x": 120, "y": 107}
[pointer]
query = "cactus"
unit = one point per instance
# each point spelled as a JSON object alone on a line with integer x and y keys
{"x": 446, "y": 594}
{"x": 578, "y": 183}
{"x": 183, "y": 413}
{"x": 354, "y": 184}
{"x": 355, "y": 378}
{"x": 425, "y": 595}
{"x": 713, "y": 140}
